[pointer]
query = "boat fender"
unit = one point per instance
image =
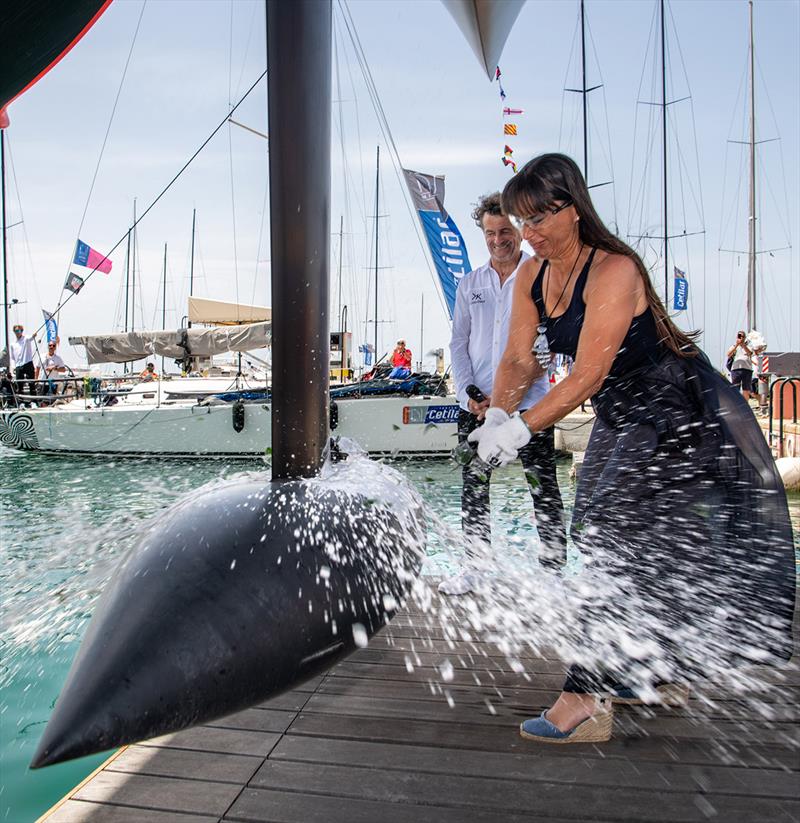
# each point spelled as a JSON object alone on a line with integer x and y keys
{"x": 334, "y": 415}
{"x": 237, "y": 416}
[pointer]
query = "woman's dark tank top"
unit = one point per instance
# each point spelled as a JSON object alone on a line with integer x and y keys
{"x": 639, "y": 348}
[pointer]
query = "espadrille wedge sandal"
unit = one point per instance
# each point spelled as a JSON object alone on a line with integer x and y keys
{"x": 674, "y": 695}
{"x": 595, "y": 729}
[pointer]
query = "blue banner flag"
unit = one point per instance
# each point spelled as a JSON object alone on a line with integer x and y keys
{"x": 680, "y": 298}
{"x": 444, "y": 239}
{"x": 52, "y": 327}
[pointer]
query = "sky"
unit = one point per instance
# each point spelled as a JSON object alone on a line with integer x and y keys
{"x": 112, "y": 124}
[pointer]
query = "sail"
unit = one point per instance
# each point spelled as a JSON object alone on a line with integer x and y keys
{"x": 34, "y": 36}
{"x": 444, "y": 239}
{"x": 222, "y": 313}
{"x": 485, "y": 24}
{"x": 180, "y": 343}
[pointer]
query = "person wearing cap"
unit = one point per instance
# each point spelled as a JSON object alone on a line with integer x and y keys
{"x": 401, "y": 361}
{"x": 52, "y": 366}
{"x": 740, "y": 355}
{"x": 22, "y": 350}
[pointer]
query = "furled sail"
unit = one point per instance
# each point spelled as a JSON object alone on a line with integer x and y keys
{"x": 222, "y": 313}
{"x": 180, "y": 343}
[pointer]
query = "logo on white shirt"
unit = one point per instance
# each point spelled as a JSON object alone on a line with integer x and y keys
{"x": 477, "y": 297}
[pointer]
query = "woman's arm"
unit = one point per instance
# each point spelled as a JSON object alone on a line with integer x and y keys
{"x": 518, "y": 366}
{"x": 614, "y": 294}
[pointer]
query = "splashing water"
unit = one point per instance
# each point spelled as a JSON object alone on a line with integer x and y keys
{"x": 68, "y": 522}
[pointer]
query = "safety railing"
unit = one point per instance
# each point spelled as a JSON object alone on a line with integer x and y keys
{"x": 779, "y": 385}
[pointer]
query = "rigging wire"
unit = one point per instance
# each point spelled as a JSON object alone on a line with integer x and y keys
{"x": 108, "y": 131}
{"x": 26, "y": 241}
{"x": 393, "y": 153}
{"x": 165, "y": 189}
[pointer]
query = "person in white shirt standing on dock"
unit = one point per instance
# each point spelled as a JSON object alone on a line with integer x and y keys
{"x": 480, "y": 331}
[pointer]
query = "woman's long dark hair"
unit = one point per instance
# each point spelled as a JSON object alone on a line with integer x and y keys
{"x": 552, "y": 177}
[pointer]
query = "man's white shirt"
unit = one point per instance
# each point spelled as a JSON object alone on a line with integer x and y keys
{"x": 22, "y": 351}
{"x": 480, "y": 330}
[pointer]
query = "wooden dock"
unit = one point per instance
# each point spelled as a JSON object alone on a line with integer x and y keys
{"x": 382, "y": 739}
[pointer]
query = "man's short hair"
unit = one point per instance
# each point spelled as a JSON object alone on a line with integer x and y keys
{"x": 18, "y": 327}
{"x": 488, "y": 204}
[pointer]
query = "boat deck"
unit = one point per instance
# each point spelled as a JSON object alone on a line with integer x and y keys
{"x": 382, "y": 738}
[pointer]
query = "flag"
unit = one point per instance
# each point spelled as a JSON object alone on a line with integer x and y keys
{"x": 445, "y": 242}
{"x": 510, "y": 128}
{"x": 367, "y": 349}
{"x": 74, "y": 283}
{"x": 508, "y": 162}
{"x": 502, "y": 93}
{"x": 508, "y": 112}
{"x": 508, "y": 151}
{"x": 52, "y": 327}
{"x": 497, "y": 73}
{"x": 87, "y": 256}
{"x": 680, "y": 299}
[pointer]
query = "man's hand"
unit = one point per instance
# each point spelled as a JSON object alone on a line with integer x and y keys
{"x": 479, "y": 409}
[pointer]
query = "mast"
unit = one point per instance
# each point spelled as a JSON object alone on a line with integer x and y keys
{"x": 421, "y": 328}
{"x": 299, "y": 103}
{"x": 377, "y": 194}
{"x": 133, "y": 272}
{"x": 127, "y": 277}
{"x": 751, "y": 222}
{"x": 191, "y": 262}
{"x": 5, "y": 248}
{"x": 341, "y": 235}
{"x": 664, "y": 142}
{"x": 164, "y": 303}
{"x": 585, "y": 102}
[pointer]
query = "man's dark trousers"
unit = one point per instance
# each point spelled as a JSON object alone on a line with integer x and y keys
{"x": 538, "y": 459}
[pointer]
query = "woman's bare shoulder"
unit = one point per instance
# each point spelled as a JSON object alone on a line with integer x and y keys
{"x": 618, "y": 268}
{"x": 530, "y": 267}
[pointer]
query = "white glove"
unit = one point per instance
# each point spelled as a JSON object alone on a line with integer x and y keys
{"x": 494, "y": 416}
{"x": 499, "y": 444}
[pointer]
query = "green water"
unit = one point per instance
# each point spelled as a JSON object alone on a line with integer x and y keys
{"x": 64, "y": 524}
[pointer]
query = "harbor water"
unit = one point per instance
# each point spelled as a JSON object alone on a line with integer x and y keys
{"x": 66, "y": 522}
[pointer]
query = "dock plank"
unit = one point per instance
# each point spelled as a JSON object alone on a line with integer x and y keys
{"x": 422, "y": 727}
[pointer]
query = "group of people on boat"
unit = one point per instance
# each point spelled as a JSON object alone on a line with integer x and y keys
{"x": 678, "y": 496}
{"x": 23, "y": 377}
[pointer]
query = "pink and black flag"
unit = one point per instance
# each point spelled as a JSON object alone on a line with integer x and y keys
{"x": 87, "y": 256}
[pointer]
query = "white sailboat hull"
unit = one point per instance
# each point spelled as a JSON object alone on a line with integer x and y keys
{"x": 380, "y": 425}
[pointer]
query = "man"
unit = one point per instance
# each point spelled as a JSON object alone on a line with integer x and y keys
{"x": 480, "y": 330}
{"x": 741, "y": 366}
{"x": 52, "y": 366}
{"x": 401, "y": 361}
{"x": 22, "y": 350}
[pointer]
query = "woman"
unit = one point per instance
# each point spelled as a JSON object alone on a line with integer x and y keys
{"x": 679, "y": 502}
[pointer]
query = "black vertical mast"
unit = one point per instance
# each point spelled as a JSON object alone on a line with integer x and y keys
{"x": 664, "y": 141}
{"x": 377, "y": 202}
{"x": 191, "y": 261}
{"x": 751, "y": 223}
{"x": 299, "y": 103}
{"x": 6, "y": 304}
